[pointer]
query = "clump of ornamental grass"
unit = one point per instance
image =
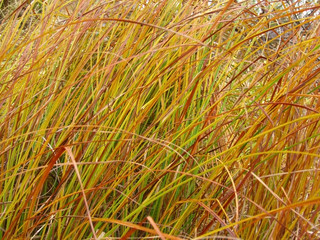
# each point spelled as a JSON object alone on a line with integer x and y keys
{"x": 160, "y": 119}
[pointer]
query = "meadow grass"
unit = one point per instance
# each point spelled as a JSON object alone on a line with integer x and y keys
{"x": 167, "y": 119}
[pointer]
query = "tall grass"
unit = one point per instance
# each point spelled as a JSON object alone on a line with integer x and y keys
{"x": 164, "y": 119}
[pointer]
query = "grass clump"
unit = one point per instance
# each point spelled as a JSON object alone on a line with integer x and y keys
{"x": 170, "y": 119}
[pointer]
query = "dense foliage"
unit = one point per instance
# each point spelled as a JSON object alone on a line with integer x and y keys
{"x": 173, "y": 119}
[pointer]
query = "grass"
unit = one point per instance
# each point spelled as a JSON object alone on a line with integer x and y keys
{"x": 159, "y": 119}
